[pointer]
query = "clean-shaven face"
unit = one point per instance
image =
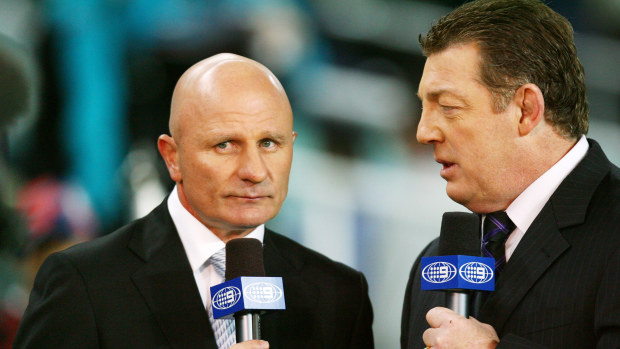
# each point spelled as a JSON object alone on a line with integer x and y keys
{"x": 234, "y": 147}
{"x": 471, "y": 141}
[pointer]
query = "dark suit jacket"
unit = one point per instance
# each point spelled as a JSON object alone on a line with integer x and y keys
{"x": 561, "y": 287}
{"x": 134, "y": 288}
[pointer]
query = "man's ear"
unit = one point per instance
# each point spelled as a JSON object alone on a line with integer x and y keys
{"x": 168, "y": 150}
{"x": 530, "y": 100}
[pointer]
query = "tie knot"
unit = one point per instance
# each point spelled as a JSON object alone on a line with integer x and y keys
{"x": 497, "y": 225}
{"x": 218, "y": 260}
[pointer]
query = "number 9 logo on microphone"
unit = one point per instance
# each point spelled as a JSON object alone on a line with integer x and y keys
{"x": 226, "y": 297}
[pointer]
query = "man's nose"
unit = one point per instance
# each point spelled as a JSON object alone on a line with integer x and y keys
{"x": 252, "y": 166}
{"x": 428, "y": 132}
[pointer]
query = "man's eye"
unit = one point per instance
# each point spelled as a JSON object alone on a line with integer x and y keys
{"x": 267, "y": 143}
{"x": 223, "y": 145}
{"x": 447, "y": 108}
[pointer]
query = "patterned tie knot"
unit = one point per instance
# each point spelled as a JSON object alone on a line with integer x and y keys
{"x": 497, "y": 227}
{"x": 218, "y": 260}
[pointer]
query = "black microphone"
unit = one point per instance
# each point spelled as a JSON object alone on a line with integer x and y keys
{"x": 244, "y": 257}
{"x": 247, "y": 293}
{"x": 460, "y": 235}
{"x": 459, "y": 269}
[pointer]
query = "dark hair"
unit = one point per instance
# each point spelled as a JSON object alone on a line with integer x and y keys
{"x": 520, "y": 41}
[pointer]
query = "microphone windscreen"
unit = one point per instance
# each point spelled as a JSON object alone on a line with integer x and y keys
{"x": 244, "y": 257}
{"x": 460, "y": 234}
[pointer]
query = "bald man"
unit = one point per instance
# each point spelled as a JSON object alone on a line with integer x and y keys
{"x": 146, "y": 285}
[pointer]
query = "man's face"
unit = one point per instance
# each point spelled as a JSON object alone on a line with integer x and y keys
{"x": 234, "y": 154}
{"x": 471, "y": 141}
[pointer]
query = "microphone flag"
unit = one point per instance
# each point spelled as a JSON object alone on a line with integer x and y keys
{"x": 246, "y": 294}
{"x": 458, "y": 272}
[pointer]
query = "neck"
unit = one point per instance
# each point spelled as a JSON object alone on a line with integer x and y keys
{"x": 537, "y": 157}
{"x": 549, "y": 150}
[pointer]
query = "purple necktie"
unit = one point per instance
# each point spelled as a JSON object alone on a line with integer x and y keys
{"x": 497, "y": 227}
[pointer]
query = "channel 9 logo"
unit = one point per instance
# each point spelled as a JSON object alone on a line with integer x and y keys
{"x": 263, "y": 292}
{"x": 477, "y": 273}
{"x": 457, "y": 272}
{"x": 226, "y": 297}
{"x": 439, "y": 272}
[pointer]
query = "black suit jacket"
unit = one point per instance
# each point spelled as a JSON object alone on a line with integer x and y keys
{"x": 561, "y": 287}
{"x": 134, "y": 288}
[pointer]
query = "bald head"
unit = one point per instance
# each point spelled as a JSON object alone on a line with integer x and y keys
{"x": 231, "y": 148}
{"x": 220, "y": 79}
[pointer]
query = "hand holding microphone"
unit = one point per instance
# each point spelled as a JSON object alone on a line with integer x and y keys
{"x": 458, "y": 271}
{"x": 451, "y": 330}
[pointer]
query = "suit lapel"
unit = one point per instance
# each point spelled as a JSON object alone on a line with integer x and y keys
{"x": 287, "y": 328}
{"x": 543, "y": 243}
{"x": 167, "y": 284}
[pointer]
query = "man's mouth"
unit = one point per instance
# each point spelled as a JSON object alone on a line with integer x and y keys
{"x": 446, "y": 167}
{"x": 250, "y": 197}
{"x": 446, "y": 164}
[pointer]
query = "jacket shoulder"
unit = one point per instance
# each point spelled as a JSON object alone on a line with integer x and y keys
{"x": 106, "y": 244}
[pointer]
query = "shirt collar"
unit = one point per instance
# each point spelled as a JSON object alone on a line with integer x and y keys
{"x": 524, "y": 209}
{"x": 198, "y": 241}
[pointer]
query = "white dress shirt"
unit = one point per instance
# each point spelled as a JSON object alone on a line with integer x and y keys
{"x": 524, "y": 209}
{"x": 200, "y": 244}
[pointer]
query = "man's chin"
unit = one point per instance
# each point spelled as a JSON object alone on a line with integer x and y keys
{"x": 476, "y": 206}
{"x": 250, "y": 220}
{"x": 457, "y": 195}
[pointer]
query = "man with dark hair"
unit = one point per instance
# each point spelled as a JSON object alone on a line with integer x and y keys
{"x": 505, "y": 109}
{"x": 147, "y": 284}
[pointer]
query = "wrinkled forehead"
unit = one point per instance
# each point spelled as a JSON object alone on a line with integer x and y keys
{"x": 450, "y": 69}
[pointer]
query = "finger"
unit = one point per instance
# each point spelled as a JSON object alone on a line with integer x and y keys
{"x": 429, "y": 336}
{"x": 439, "y": 315}
{"x": 253, "y": 344}
{"x": 260, "y": 344}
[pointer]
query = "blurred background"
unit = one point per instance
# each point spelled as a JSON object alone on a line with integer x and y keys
{"x": 85, "y": 87}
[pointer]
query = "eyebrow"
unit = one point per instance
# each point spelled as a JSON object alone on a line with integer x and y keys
{"x": 276, "y": 136}
{"x": 436, "y": 93}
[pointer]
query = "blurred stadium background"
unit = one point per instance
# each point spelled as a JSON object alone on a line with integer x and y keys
{"x": 78, "y": 157}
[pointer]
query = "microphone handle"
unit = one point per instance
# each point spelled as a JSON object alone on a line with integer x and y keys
{"x": 459, "y": 303}
{"x": 247, "y": 327}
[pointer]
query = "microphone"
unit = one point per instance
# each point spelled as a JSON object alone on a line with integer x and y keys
{"x": 247, "y": 293}
{"x": 244, "y": 257}
{"x": 459, "y": 270}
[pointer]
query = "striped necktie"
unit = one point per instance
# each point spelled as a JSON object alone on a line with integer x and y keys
{"x": 497, "y": 227}
{"x": 223, "y": 329}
